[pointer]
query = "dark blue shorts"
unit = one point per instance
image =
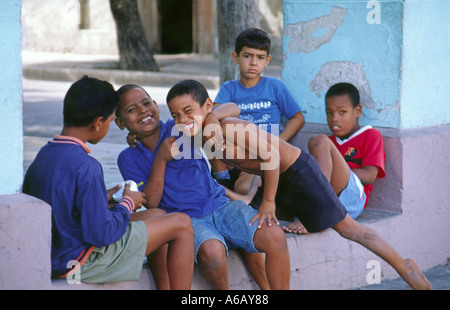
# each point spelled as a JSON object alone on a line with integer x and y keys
{"x": 305, "y": 191}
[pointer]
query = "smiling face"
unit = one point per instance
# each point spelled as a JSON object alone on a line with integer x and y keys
{"x": 138, "y": 113}
{"x": 188, "y": 114}
{"x": 342, "y": 117}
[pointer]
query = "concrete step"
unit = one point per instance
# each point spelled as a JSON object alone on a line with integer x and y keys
{"x": 318, "y": 261}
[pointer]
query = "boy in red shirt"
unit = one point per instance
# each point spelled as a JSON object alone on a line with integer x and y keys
{"x": 353, "y": 157}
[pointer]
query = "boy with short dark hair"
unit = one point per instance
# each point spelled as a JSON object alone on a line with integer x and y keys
{"x": 353, "y": 157}
{"x": 291, "y": 177}
{"x": 263, "y": 101}
{"x": 91, "y": 234}
{"x": 184, "y": 184}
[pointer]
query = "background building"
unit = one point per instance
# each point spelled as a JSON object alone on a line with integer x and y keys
{"x": 171, "y": 26}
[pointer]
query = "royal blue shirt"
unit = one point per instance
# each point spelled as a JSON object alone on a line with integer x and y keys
{"x": 64, "y": 175}
{"x": 263, "y": 104}
{"x": 188, "y": 184}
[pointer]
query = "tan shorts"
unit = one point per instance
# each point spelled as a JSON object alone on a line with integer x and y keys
{"x": 120, "y": 261}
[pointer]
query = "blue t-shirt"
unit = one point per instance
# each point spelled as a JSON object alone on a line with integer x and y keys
{"x": 263, "y": 104}
{"x": 188, "y": 184}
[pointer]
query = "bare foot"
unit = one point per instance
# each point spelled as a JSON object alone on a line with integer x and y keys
{"x": 414, "y": 277}
{"x": 295, "y": 228}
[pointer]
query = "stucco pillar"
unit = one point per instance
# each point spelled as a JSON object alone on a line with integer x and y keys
{"x": 11, "y": 131}
{"x": 25, "y": 222}
{"x": 396, "y": 52}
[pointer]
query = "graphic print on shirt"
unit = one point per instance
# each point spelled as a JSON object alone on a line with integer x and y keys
{"x": 350, "y": 155}
{"x": 249, "y": 111}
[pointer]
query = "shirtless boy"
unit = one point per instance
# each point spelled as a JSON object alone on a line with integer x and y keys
{"x": 290, "y": 175}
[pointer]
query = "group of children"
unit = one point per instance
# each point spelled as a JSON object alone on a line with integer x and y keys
{"x": 190, "y": 217}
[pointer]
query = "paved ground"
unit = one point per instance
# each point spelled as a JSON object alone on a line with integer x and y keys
{"x": 439, "y": 278}
{"x": 42, "y": 112}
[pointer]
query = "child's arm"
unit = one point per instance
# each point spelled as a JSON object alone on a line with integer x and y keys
{"x": 154, "y": 187}
{"x": 265, "y": 149}
{"x": 267, "y": 207}
{"x": 229, "y": 109}
{"x": 224, "y": 110}
{"x": 212, "y": 129}
{"x": 270, "y": 165}
{"x": 294, "y": 124}
{"x": 367, "y": 174}
{"x": 373, "y": 158}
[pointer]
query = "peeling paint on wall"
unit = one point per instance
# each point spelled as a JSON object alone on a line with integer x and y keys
{"x": 343, "y": 71}
{"x": 326, "y": 42}
{"x": 306, "y": 37}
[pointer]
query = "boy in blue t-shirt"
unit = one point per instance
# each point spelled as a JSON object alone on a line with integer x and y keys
{"x": 91, "y": 234}
{"x": 177, "y": 178}
{"x": 263, "y": 101}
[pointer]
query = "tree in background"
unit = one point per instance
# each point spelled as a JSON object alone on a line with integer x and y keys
{"x": 134, "y": 50}
{"x": 136, "y": 54}
{"x": 232, "y": 18}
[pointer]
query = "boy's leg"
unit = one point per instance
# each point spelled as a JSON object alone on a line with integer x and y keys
{"x": 256, "y": 265}
{"x": 272, "y": 241}
{"x": 369, "y": 238}
{"x": 232, "y": 221}
{"x": 157, "y": 260}
{"x": 331, "y": 162}
{"x": 250, "y": 190}
{"x": 174, "y": 229}
{"x": 212, "y": 263}
{"x": 333, "y": 166}
{"x": 211, "y": 252}
{"x": 247, "y": 183}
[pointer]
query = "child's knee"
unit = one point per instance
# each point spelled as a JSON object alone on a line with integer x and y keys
{"x": 183, "y": 221}
{"x": 211, "y": 254}
{"x": 157, "y": 212}
{"x": 270, "y": 238}
{"x": 317, "y": 141}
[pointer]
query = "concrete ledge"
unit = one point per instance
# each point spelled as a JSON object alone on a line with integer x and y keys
{"x": 240, "y": 279}
{"x": 25, "y": 242}
{"x": 318, "y": 261}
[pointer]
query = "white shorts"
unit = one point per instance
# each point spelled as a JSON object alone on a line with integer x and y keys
{"x": 353, "y": 197}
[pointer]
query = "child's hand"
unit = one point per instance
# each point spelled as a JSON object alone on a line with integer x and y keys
{"x": 110, "y": 192}
{"x": 132, "y": 140}
{"x": 213, "y": 133}
{"x": 266, "y": 213}
{"x": 137, "y": 197}
{"x": 168, "y": 149}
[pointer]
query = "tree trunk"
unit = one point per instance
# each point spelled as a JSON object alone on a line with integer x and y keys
{"x": 134, "y": 50}
{"x": 232, "y": 18}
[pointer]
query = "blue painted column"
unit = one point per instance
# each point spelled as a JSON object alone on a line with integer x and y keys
{"x": 395, "y": 51}
{"x": 425, "y": 68}
{"x": 11, "y": 129}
